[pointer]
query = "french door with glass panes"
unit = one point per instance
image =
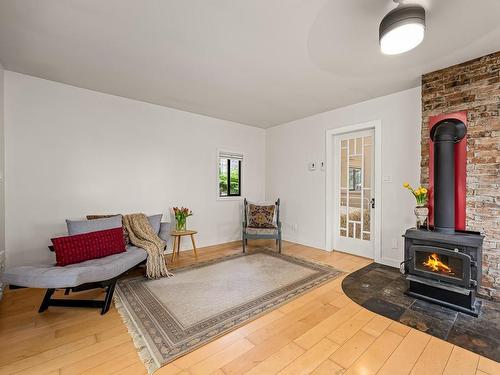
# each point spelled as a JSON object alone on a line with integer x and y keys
{"x": 353, "y": 193}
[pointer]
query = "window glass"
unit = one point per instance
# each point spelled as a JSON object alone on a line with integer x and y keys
{"x": 229, "y": 174}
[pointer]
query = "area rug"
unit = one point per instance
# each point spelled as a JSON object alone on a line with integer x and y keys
{"x": 170, "y": 317}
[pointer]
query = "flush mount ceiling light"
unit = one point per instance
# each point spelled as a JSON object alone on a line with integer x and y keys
{"x": 402, "y": 29}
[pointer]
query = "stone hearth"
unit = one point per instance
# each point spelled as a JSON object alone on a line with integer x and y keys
{"x": 381, "y": 289}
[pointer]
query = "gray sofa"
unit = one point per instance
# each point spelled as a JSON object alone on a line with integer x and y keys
{"x": 95, "y": 273}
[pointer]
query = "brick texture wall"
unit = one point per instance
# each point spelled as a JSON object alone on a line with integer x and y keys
{"x": 473, "y": 86}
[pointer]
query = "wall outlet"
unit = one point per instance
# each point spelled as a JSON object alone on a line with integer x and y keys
{"x": 395, "y": 244}
{"x": 312, "y": 166}
{"x": 295, "y": 227}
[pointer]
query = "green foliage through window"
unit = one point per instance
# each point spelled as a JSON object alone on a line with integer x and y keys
{"x": 229, "y": 177}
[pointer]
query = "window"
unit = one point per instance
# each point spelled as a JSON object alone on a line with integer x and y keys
{"x": 229, "y": 174}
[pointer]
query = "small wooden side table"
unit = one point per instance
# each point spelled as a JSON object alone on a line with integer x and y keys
{"x": 177, "y": 241}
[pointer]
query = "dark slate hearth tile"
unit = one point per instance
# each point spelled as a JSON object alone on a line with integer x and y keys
{"x": 390, "y": 272}
{"x": 357, "y": 292}
{"x": 357, "y": 274}
{"x": 425, "y": 323}
{"x": 384, "y": 308}
{"x": 375, "y": 279}
{"x": 488, "y": 322}
{"x": 487, "y": 346}
{"x": 395, "y": 295}
{"x": 434, "y": 310}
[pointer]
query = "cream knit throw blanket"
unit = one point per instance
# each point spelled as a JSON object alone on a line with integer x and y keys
{"x": 141, "y": 235}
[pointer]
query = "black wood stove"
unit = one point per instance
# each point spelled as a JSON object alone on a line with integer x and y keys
{"x": 443, "y": 265}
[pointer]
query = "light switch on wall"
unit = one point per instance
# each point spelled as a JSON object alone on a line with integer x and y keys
{"x": 387, "y": 179}
{"x": 395, "y": 244}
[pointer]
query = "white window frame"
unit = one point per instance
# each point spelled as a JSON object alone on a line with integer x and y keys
{"x": 242, "y": 180}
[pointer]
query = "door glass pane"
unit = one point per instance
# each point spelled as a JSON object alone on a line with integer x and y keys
{"x": 355, "y": 173}
{"x": 367, "y": 162}
{"x": 343, "y": 208}
{"x": 343, "y": 167}
{"x": 366, "y": 210}
{"x": 357, "y": 233}
{"x": 343, "y": 212}
{"x": 355, "y": 181}
{"x": 358, "y": 146}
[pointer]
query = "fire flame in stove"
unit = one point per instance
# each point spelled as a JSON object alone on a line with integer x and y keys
{"x": 435, "y": 264}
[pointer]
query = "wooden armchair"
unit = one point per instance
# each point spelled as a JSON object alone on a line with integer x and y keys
{"x": 270, "y": 230}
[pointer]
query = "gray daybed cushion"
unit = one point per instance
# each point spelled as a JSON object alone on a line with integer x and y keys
{"x": 155, "y": 221}
{"x": 50, "y": 276}
{"x": 87, "y": 226}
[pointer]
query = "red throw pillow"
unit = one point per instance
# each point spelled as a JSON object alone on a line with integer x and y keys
{"x": 82, "y": 247}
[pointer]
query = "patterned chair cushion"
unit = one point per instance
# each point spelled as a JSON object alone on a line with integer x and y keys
{"x": 267, "y": 231}
{"x": 260, "y": 216}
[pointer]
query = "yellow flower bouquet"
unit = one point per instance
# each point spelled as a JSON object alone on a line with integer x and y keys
{"x": 420, "y": 194}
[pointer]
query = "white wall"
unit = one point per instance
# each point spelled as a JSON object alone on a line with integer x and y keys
{"x": 72, "y": 152}
{"x": 2, "y": 183}
{"x": 291, "y": 146}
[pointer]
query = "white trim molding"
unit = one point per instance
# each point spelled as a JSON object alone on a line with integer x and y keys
{"x": 376, "y": 125}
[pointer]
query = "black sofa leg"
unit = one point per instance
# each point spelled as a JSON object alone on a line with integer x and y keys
{"x": 45, "y": 303}
{"x": 109, "y": 297}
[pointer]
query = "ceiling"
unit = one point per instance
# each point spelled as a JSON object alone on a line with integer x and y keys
{"x": 258, "y": 62}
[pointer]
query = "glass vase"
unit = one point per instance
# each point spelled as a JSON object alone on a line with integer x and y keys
{"x": 180, "y": 224}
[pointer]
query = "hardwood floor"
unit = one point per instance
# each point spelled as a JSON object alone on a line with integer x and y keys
{"x": 321, "y": 332}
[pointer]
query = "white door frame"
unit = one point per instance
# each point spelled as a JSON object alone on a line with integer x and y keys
{"x": 376, "y": 125}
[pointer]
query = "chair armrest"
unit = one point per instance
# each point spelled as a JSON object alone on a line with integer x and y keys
{"x": 164, "y": 233}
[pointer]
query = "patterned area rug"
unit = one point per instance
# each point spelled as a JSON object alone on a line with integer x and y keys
{"x": 170, "y": 317}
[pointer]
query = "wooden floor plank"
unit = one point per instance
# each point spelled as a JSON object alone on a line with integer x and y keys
{"x": 375, "y": 356}
{"x": 377, "y": 325}
{"x": 323, "y": 329}
{"x": 328, "y": 368}
{"x": 434, "y": 358}
{"x": 352, "y": 349}
{"x": 461, "y": 362}
{"x": 348, "y": 329}
{"x": 278, "y": 360}
{"x": 311, "y": 359}
{"x": 406, "y": 354}
{"x": 222, "y": 358}
{"x": 488, "y": 366}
